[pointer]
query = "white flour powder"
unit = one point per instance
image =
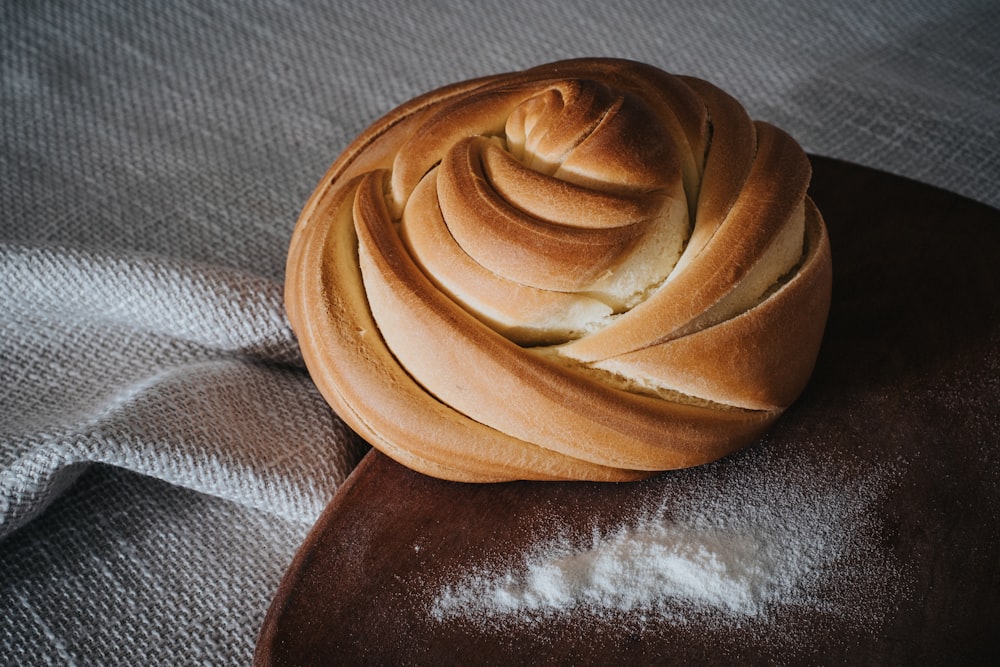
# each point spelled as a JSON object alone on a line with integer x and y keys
{"x": 747, "y": 537}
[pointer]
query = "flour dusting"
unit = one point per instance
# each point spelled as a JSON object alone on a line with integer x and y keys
{"x": 746, "y": 540}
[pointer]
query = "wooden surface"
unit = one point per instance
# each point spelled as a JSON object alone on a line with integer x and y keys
{"x": 908, "y": 379}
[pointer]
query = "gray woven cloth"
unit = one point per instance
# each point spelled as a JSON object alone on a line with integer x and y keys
{"x": 162, "y": 449}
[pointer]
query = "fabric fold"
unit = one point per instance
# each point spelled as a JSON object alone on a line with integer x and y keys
{"x": 181, "y": 371}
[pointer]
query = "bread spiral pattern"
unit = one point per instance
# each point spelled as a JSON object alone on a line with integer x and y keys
{"x": 591, "y": 270}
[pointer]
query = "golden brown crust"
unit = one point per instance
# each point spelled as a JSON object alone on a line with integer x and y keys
{"x": 587, "y": 270}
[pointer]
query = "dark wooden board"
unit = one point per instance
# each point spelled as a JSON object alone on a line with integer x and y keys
{"x": 908, "y": 378}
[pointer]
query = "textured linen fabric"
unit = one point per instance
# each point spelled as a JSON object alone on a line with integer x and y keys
{"x": 162, "y": 449}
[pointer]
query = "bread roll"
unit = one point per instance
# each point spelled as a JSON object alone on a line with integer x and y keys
{"x": 589, "y": 270}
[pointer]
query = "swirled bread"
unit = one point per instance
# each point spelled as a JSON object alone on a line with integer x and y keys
{"x": 592, "y": 269}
